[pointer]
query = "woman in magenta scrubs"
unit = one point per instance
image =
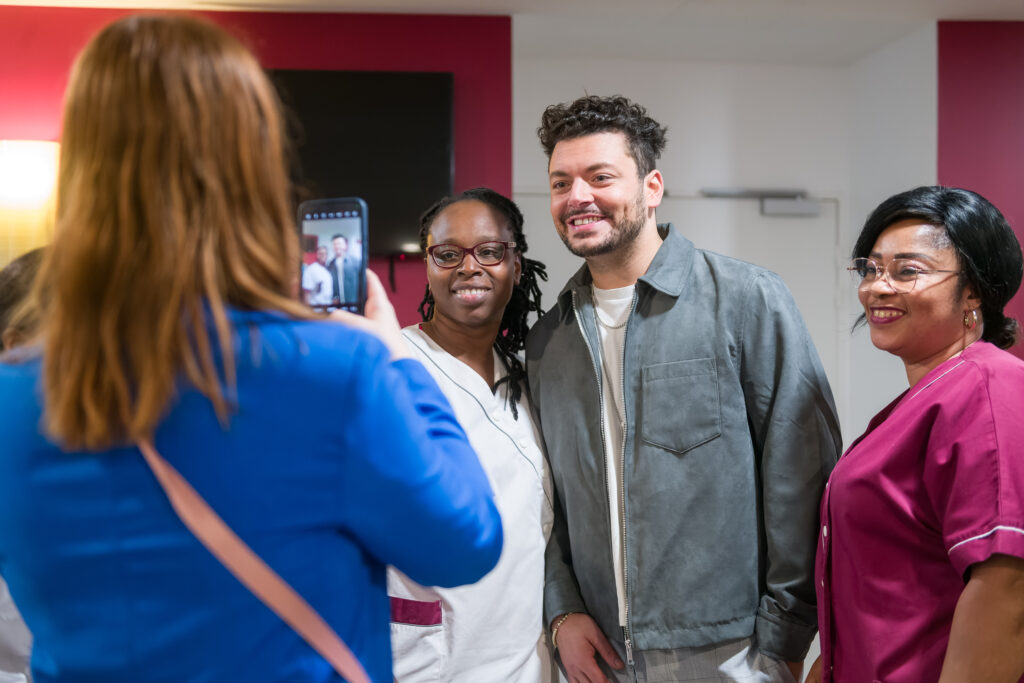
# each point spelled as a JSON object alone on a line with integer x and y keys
{"x": 921, "y": 556}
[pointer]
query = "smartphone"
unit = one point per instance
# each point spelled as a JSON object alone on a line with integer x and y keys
{"x": 334, "y": 254}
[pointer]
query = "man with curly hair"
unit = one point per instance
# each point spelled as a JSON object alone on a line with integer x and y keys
{"x": 689, "y": 426}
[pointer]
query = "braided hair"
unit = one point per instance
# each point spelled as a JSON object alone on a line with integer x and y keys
{"x": 525, "y": 295}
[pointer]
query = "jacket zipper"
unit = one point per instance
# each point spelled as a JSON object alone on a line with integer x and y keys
{"x": 622, "y": 488}
{"x": 622, "y": 479}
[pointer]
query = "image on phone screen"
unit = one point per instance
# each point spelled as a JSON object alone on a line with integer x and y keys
{"x": 333, "y": 233}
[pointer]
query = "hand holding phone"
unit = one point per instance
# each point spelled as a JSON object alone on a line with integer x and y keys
{"x": 380, "y": 318}
{"x": 333, "y": 233}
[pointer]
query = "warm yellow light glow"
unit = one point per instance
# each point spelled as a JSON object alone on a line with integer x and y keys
{"x": 28, "y": 173}
{"x": 28, "y": 179}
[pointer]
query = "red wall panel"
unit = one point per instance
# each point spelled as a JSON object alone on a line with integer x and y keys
{"x": 981, "y": 118}
{"x": 38, "y": 46}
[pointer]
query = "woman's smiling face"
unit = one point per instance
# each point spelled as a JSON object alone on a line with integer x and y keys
{"x": 923, "y": 326}
{"x": 471, "y": 294}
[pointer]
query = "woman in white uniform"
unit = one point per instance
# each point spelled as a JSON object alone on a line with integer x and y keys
{"x": 480, "y": 291}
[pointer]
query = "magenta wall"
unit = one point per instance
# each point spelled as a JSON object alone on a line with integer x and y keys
{"x": 38, "y": 45}
{"x": 981, "y": 118}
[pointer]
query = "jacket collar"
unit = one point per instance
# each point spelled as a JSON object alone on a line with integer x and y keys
{"x": 667, "y": 272}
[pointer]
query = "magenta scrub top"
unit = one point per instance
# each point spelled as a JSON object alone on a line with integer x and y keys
{"x": 934, "y": 485}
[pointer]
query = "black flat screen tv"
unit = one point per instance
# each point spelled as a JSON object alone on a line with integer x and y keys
{"x": 384, "y": 136}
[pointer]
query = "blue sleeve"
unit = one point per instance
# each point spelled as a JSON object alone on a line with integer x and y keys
{"x": 414, "y": 492}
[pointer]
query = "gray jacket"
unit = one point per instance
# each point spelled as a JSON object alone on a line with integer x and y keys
{"x": 731, "y": 433}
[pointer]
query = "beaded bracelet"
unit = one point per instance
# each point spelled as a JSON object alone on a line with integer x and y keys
{"x": 558, "y": 625}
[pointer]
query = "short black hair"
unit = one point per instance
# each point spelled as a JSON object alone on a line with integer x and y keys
{"x": 988, "y": 252}
{"x": 338, "y": 235}
{"x": 525, "y": 295}
{"x": 595, "y": 114}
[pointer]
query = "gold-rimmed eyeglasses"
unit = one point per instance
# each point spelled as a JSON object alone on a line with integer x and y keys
{"x": 486, "y": 253}
{"x": 901, "y": 274}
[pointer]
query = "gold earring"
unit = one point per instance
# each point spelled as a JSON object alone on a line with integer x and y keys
{"x": 972, "y": 321}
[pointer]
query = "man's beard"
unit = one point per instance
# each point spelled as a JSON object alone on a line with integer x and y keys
{"x": 623, "y": 232}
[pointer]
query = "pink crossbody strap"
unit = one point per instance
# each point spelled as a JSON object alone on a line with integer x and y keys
{"x": 252, "y": 571}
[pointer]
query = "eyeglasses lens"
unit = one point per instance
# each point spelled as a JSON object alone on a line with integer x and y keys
{"x": 900, "y": 274}
{"x": 451, "y": 255}
{"x": 489, "y": 253}
{"x": 447, "y": 255}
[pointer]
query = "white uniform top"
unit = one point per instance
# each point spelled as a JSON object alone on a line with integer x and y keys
{"x": 612, "y": 308}
{"x": 15, "y": 640}
{"x": 492, "y": 630}
{"x": 316, "y": 280}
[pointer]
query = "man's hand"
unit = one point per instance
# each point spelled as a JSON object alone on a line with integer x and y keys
{"x": 579, "y": 642}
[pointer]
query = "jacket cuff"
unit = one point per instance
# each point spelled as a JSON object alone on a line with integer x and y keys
{"x": 782, "y": 638}
{"x": 560, "y": 598}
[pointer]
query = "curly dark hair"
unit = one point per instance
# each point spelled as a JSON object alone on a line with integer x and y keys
{"x": 988, "y": 251}
{"x": 594, "y": 114}
{"x": 525, "y": 295}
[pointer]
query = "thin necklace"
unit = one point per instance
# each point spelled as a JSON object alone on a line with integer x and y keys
{"x": 610, "y": 327}
{"x": 597, "y": 314}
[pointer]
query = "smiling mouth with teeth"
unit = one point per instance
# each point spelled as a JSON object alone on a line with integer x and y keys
{"x": 470, "y": 292}
{"x": 586, "y": 220}
{"x": 885, "y": 314}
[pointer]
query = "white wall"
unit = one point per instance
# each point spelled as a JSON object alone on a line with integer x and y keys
{"x": 894, "y": 147}
{"x": 851, "y": 134}
{"x": 728, "y": 124}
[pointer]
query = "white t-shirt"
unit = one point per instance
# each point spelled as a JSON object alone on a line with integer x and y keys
{"x": 492, "y": 630}
{"x": 612, "y": 308}
{"x": 316, "y": 282}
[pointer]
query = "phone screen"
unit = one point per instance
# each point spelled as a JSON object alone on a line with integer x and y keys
{"x": 333, "y": 233}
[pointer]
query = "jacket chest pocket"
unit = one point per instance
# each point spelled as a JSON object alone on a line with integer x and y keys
{"x": 680, "y": 406}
